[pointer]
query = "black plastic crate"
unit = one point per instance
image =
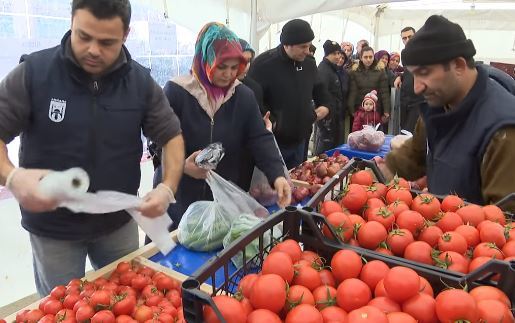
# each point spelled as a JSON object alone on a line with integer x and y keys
{"x": 305, "y": 227}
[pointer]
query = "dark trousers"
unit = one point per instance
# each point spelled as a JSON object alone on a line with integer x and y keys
{"x": 293, "y": 155}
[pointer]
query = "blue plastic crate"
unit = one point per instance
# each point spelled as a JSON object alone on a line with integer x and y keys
{"x": 351, "y": 153}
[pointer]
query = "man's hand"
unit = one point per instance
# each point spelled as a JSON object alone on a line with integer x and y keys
{"x": 191, "y": 169}
{"x": 24, "y": 183}
{"x": 268, "y": 123}
{"x": 283, "y": 189}
{"x": 321, "y": 112}
{"x": 398, "y": 82}
{"x": 156, "y": 202}
{"x": 381, "y": 164}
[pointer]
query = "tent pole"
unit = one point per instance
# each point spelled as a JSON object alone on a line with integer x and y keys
{"x": 379, "y": 11}
{"x": 227, "y": 14}
{"x": 254, "y": 42}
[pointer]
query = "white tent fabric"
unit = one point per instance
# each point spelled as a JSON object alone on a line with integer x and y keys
{"x": 488, "y": 23}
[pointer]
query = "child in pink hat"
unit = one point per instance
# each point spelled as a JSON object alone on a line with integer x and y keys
{"x": 367, "y": 114}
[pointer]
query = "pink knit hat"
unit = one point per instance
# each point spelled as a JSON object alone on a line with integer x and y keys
{"x": 372, "y": 95}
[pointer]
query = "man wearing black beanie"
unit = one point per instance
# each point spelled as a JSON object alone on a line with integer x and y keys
{"x": 465, "y": 139}
{"x": 290, "y": 83}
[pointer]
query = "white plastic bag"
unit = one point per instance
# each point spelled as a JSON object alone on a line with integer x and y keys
{"x": 367, "y": 139}
{"x": 399, "y": 140}
{"x": 70, "y": 187}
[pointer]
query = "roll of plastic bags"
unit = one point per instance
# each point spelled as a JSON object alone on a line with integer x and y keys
{"x": 70, "y": 189}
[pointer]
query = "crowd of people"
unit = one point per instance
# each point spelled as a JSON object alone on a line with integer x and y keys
{"x": 85, "y": 102}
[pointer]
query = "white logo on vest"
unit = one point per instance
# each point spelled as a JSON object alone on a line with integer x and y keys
{"x": 57, "y": 110}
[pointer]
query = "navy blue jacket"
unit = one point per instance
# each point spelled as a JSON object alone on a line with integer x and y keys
{"x": 457, "y": 139}
{"x": 78, "y": 122}
{"x": 238, "y": 125}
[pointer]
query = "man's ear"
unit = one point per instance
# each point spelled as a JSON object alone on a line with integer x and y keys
{"x": 460, "y": 64}
{"x": 126, "y": 34}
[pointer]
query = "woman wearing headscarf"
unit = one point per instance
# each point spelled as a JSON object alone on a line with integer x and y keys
{"x": 213, "y": 106}
{"x": 348, "y": 50}
{"x": 383, "y": 62}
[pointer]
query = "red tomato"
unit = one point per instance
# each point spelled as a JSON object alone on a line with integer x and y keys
{"x": 123, "y": 267}
{"x": 379, "y": 291}
{"x": 411, "y": 220}
{"x": 103, "y": 316}
{"x": 33, "y": 316}
{"x": 456, "y": 305}
{"x": 493, "y": 311}
{"x": 231, "y": 310}
{"x": 367, "y": 314}
{"x": 268, "y": 292}
{"x": 425, "y": 287}
{"x": 422, "y": 307}
{"x": 263, "y": 315}
{"x": 278, "y": 263}
{"x": 143, "y": 313}
{"x": 313, "y": 258}
{"x": 124, "y": 305}
{"x": 453, "y": 261}
{"x": 304, "y": 313}
{"x": 452, "y": 241}
{"x": 65, "y": 315}
{"x": 385, "y": 304}
{"x": 384, "y": 251}
{"x": 52, "y": 306}
{"x": 333, "y": 314}
{"x": 398, "y": 207}
{"x": 146, "y": 271}
{"x": 297, "y": 295}
{"x": 100, "y": 297}
{"x": 247, "y": 307}
{"x": 165, "y": 283}
{"x": 58, "y": 292}
{"x": 488, "y": 292}
{"x": 509, "y": 249}
{"x": 362, "y": 177}
{"x": 125, "y": 319}
{"x": 328, "y": 207}
{"x": 371, "y": 205}
{"x": 327, "y": 278}
{"x": 291, "y": 247}
{"x": 398, "y": 240}
{"x": 492, "y": 232}
{"x": 70, "y": 301}
{"x": 80, "y": 303}
{"x": 352, "y": 294}
{"x": 427, "y": 205}
{"x": 372, "y": 272}
{"x": 341, "y": 224}
{"x": 486, "y": 249}
{"x": 21, "y": 316}
{"x": 84, "y": 313}
{"x": 174, "y": 297}
{"x": 449, "y": 221}
{"x": 324, "y": 296}
{"x": 419, "y": 251}
{"x": 400, "y": 194}
{"x": 401, "y": 283}
{"x": 399, "y": 182}
{"x": 471, "y": 214}
{"x": 346, "y": 264}
{"x": 451, "y": 203}
{"x": 246, "y": 284}
{"x": 371, "y": 235}
{"x": 140, "y": 281}
{"x": 382, "y": 215}
{"x": 126, "y": 277}
{"x": 376, "y": 190}
{"x": 470, "y": 233}
{"x": 48, "y": 318}
{"x": 307, "y": 277}
{"x": 494, "y": 214}
{"x": 431, "y": 235}
{"x": 400, "y": 317}
{"x": 354, "y": 198}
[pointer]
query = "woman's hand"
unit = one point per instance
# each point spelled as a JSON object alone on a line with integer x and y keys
{"x": 191, "y": 169}
{"x": 283, "y": 189}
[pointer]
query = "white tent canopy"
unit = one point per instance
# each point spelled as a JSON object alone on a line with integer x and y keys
{"x": 490, "y": 24}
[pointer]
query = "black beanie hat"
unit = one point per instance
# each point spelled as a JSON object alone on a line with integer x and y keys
{"x": 331, "y": 47}
{"x": 296, "y": 31}
{"x": 438, "y": 41}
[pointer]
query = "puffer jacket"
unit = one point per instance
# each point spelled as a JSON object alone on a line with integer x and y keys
{"x": 362, "y": 81}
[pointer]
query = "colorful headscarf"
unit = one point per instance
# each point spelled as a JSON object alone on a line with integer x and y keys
{"x": 215, "y": 44}
{"x": 395, "y": 54}
{"x": 380, "y": 54}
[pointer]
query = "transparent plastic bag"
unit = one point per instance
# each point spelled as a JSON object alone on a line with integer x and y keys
{"x": 240, "y": 227}
{"x": 204, "y": 226}
{"x": 260, "y": 188}
{"x": 210, "y": 156}
{"x": 399, "y": 140}
{"x": 205, "y": 223}
{"x": 367, "y": 139}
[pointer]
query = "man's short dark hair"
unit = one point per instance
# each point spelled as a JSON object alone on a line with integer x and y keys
{"x": 365, "y": 49}
{"x": 405, "y": 29}
{"x": 106, "y": 9}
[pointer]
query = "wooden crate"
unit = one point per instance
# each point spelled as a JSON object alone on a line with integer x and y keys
{"x": 138, "y": 257}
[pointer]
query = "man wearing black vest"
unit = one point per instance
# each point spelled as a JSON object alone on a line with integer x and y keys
{"x": 83, "y": 104}
{"x": 465, "y": 139}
